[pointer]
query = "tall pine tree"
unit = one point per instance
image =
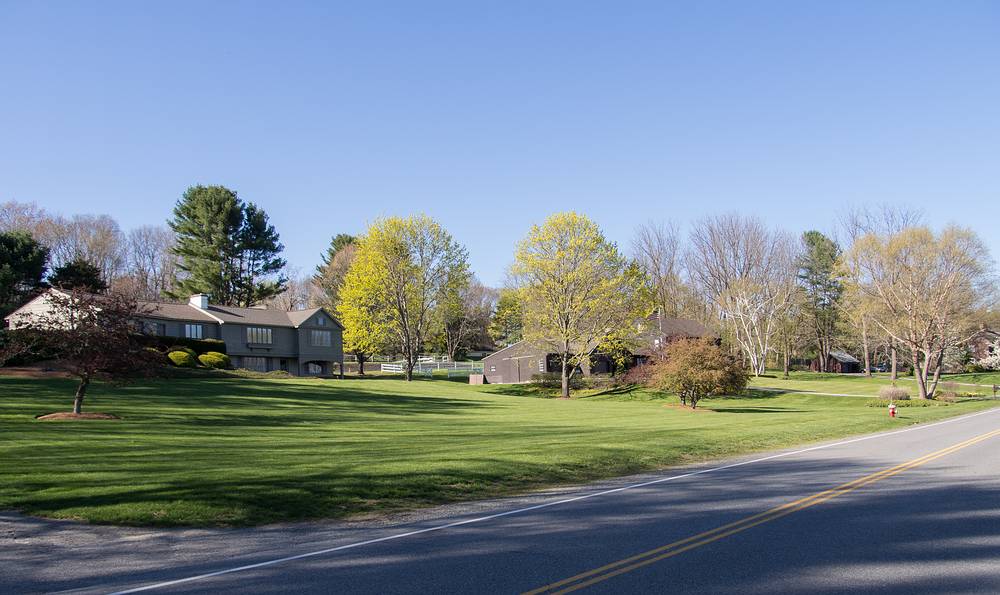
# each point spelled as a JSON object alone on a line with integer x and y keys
{"x": 259, "y": 259}
{"x": 822, "y": 291}
{"x": 226, "y": 249}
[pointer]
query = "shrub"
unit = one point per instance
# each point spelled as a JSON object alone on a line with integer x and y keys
{"x": 160, "y": 356}
{"x": 695, "y": 369}
{"x": 199, "y": 346}
{"x": 182, "y": 349}
{"x": 893, "y": 393}
{"x": 918, "y": 403}
{"x": 974, "y": 368}
{"x": 636, "y": 375}
{"x": 182, "y": 359}
{"x": 214, "y": 359}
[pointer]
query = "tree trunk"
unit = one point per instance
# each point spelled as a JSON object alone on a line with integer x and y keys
{"x": 893, "y": 357}
{"x": 361, "y": 364}
{"x": 864, "y": 343}
{"x": 786, "y": 361}
{"x": 938, "y": 363}
{"x": 565, "y": 376}
{"x": 920, "y": 375}
{"x": 81, "y": 390}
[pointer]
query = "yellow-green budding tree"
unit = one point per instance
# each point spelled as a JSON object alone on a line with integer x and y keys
{"x": 576, "y": 290}
{"x": 403, "y": 269}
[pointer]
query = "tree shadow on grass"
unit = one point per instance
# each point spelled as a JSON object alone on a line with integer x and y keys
{"x": 233, "y": 399}
{"x": 753, "y": 409}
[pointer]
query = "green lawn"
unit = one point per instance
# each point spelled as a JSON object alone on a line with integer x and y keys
{"x": 859, "y": 385}
{"x": 237, "y": 451}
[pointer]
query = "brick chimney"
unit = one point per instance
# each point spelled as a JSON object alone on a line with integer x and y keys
{"x": 199, "y": 300}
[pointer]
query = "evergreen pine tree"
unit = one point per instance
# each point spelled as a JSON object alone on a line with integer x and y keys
{"x": 226, "y": 249}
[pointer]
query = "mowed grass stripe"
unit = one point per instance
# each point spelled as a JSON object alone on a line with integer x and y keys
{"x": 243, "y": 452}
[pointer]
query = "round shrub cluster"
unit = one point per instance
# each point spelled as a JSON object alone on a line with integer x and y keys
{"x": 182, "y": 359}
{"x": 182, "y": 349}
{"x": 214, "y": 359}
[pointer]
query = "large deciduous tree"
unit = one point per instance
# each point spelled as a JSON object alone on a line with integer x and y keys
{"x": 656, "y": 247}
{"x": 747, "y": 270}
{"x": 22, "y": 266}
{"x": 150, "y": 262}
{"x": 921, "y": 289}
{"x": 576, "y": 289}
{"x": 506, "y": 327}
{"x": 464, "y": 315}
{"x": 821, "y": 292}
{"x": 225, "y": 248}
{"x": 402, "y": 272}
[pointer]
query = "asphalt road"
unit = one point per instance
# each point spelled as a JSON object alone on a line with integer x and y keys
{"x": 910, "y": 511}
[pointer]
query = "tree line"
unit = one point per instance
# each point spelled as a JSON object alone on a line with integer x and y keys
{"x": 881, "y": 284}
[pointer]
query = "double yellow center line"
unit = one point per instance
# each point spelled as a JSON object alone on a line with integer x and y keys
{"x": 597, "y": 575}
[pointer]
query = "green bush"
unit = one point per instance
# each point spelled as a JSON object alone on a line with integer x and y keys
{"x": 199, "y": 346}
{"x": 182, "y": 359}
{"x": 182, "y": 349}
{"x": 214, "y": 359}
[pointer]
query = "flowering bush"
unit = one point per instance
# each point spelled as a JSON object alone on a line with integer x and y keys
{"x": 992, "y": 361}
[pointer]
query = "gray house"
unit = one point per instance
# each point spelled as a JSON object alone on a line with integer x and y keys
{"x": 301, "y": 342}
{"x": 520, "y": 361}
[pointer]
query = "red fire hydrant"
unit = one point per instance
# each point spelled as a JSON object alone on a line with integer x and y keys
{"x": 892, "y": 410}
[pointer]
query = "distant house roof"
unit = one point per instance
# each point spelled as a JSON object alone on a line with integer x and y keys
{"x": 229, "y": 314}
{"x": 986, "y": 333}
{"x": 844, "y": 357}
{"x": 679, "y": 327}
{"x": 213, "y": 314}
{"x": 174, "y": 312}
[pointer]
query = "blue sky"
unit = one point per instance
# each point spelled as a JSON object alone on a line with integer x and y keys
{"x": 490, "y": 116}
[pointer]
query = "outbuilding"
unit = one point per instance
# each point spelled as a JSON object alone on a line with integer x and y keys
{"x": 839, "y": 362}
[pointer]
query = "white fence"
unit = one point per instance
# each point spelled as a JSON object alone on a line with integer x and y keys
{"x": 428, "y": 368}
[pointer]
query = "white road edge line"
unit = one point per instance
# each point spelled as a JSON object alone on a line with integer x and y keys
{"x": 481, "y": 519}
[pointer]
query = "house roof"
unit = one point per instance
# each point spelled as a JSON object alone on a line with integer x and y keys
{"x": 174, "y": 312}
{"x": 679, "y": 327}
{"x": 215, "y": 314}
{"x": 230, "y": 314}
{"x": 844, "y": 357}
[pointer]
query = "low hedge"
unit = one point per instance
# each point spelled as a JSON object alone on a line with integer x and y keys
{"x": 553, "y": 381}
{"x": 915, "y": 403}
{"x": 199, "y": 346}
